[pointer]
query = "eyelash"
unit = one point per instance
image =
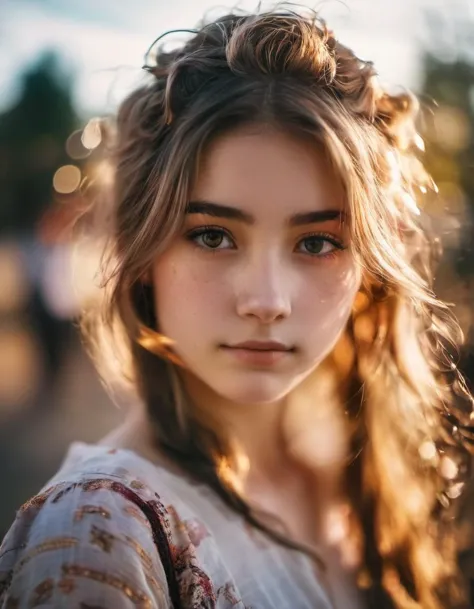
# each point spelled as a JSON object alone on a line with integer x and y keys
{"x": 194, "y": 234}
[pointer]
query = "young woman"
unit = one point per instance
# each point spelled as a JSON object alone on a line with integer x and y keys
{"x": 298, "y": 430}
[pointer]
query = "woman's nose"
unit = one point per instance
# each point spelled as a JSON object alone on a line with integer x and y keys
{"x": 264, "y": 293}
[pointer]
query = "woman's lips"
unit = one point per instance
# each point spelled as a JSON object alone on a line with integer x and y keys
{"x": 259, "y": 353}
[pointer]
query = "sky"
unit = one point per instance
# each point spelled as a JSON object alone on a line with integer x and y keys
{"x": 103, "y": 42}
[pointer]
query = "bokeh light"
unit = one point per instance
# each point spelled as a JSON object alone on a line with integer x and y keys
{"x": 75, "y": 147}
{"x": 67, "y": 179}
{"x": 448, "y": 468}
{"x": 92, "y": 135}
{"x": 427, "y": 450}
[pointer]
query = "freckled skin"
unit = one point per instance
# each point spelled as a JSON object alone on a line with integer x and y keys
{"x": 258, "y": 281}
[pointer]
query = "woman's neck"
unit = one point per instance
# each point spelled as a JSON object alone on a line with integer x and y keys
{"x": 303, "y": 431}
{"x": 256, "y": 430}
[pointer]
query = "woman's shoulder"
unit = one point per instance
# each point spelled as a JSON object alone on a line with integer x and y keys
{"x": 103, "y": 525}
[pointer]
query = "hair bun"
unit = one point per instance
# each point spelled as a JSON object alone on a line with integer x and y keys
{"x": 288, "y": 45}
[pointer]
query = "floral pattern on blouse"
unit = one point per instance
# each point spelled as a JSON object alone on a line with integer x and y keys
{"x": 101, "y": 551}
{"x": 114, "y": 531}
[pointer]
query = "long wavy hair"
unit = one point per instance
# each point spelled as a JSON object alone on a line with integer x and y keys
{"x": 406, "y": 403}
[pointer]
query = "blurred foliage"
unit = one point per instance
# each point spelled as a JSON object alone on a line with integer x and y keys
{"x": 32, "y": 138}
{"x": 447, "y": 90}
{"x": 447, "y": 96}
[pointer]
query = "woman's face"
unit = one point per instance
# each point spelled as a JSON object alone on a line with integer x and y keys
{"x": 260, "y": 283}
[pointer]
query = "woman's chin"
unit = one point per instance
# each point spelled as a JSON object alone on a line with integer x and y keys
{"x": 244, "y": 389}
{"x": 254, "y": 393}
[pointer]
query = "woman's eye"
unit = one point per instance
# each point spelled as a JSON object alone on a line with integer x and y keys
{"x": 317, "y": 245}
{"x": 211, "y": 238}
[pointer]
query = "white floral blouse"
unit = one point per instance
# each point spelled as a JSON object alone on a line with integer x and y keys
{"x": 114, "y": 531}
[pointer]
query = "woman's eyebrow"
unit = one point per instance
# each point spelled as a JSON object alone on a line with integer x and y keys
{"x": 313, "y": 217}
{"x": 217, "y": 210}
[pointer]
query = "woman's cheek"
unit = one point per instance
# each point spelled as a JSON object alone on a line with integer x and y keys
{"x": 326, "y": 307}
{"x": 186, "y": 293}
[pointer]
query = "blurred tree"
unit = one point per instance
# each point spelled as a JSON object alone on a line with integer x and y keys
{"x": 32, "y": 138}
{"x": 450, "y": 149}
{"x": 448, "y": 87}
{"x": 447, "y": 93}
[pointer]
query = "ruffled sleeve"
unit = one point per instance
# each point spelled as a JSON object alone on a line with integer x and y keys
{"x": 84, "y": 544}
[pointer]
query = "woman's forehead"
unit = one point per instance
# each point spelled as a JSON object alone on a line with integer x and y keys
{"x": 254, "y": 167}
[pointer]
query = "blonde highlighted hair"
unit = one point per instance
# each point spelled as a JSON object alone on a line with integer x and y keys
{"x": 399, "y": 387}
